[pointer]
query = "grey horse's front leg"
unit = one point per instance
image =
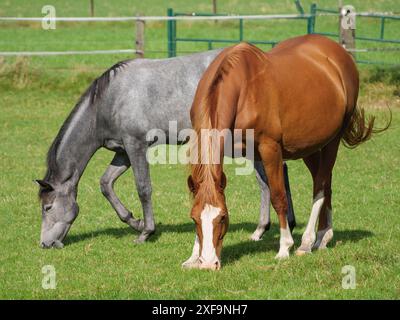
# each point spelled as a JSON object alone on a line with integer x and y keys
{"x": 264, "y": 222}
{"x": 118, "y": 166}
{"x": 136, "y": 151}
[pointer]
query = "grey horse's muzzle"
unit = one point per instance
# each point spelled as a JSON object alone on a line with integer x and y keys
{"x": 53, "y": 237}
{"x": 54, "y": 244}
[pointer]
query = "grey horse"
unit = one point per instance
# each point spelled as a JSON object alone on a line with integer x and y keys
{"x": 116, "y": 112}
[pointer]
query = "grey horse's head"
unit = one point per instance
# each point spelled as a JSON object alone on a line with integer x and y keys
{"x": 59, "y": 210}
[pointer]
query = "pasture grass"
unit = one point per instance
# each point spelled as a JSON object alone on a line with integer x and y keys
{"x": 100, "y": 259}
{"x": 29, "y": 36}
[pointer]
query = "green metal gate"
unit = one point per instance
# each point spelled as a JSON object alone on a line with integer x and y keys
{"x": 173, "y": 38}
{"x": 310, "y": 19}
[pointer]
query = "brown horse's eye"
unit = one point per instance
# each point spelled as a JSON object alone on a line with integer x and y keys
{"x": 47, "y": 207}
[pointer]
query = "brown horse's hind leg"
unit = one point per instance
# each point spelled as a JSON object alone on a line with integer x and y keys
{"x": 325, "y": 228}
{"x": 271, "y": 155}
{"x": 320, "y": 165}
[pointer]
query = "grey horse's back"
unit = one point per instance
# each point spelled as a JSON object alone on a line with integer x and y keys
{"x": 148, "y": 94}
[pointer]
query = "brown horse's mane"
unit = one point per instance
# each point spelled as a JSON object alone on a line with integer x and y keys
{"x": 202, "y": 173}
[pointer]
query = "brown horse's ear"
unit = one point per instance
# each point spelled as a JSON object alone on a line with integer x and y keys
{"x": 223, "y": 181}
{"x": 45, "y": 185}
{"x": 191, "y": 184}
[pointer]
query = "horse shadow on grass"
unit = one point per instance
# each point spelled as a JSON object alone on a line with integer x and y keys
{"x": 230, "y": 253}
{"x": 270, "y": 242}
{"x": 160, "y": 229}
{"x": 114, "y": 232}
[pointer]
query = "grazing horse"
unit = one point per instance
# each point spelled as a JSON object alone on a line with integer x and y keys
{"x": 117, "y": 110}
{"x": 300, "y": 99}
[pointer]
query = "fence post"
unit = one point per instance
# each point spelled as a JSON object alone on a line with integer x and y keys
{"x": 340, "y": 6}
{"x": 171, "y": 31}
{"x": 299, "y": 7}
{"x": 139, "y": 42}
{"x": 92, "y": 8}
{"x": 240, "y": 30}
{"x": 215, "y": 9}
{"x": 311, "y": 19}
{"x": 347, "y": 35}
{"x": 382, "y": 27}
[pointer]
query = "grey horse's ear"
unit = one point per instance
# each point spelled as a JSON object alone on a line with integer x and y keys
{"x": 45, "y": 185}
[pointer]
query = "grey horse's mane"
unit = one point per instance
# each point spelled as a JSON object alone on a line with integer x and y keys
{"x": 94, "y": 92}
{"x": 99, "y": 85}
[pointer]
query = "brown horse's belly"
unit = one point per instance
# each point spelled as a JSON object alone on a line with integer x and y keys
{"x": 311, "y": 138}
{"x": 302, "y": 152}
{"x": 313, "y": 113}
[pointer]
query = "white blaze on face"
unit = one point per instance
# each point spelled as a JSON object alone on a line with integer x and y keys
{"x": 208, "y": 252}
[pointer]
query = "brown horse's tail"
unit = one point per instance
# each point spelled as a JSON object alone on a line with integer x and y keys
{"x": 360, "y": 128}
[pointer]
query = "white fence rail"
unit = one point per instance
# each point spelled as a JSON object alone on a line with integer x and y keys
{"x": 139, "y": 41}
{"x": 158, "y": 18}
{"x": 65, "y": 53}
{"x": 177, "y": 18}
{"x": 141, "y": 19}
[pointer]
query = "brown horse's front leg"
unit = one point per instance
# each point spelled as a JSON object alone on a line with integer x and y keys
{"x": 271, "y": 155}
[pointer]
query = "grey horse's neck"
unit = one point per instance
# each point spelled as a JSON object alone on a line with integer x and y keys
{"x": 74, "y": 145}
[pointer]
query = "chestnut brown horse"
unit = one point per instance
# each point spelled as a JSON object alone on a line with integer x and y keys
{"x": 300, "y": 99}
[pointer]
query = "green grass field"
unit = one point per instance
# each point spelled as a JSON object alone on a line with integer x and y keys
{"x": 100, "y": 260}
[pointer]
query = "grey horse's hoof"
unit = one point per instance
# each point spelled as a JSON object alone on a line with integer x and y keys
{"x": 139, "y": 240}
{"x": 258, "y": 234}
{"x": 136, "y": 224}
{"x": 144, "y": 236}
{"x": 292, "y": 225}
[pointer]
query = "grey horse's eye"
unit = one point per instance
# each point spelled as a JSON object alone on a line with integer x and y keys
{"x": 47, "y": 207}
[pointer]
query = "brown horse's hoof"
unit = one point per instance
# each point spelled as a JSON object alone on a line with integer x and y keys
{"x": 300, "y": 252}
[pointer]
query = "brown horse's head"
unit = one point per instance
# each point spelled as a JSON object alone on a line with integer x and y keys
{"x": 210, "y": 215}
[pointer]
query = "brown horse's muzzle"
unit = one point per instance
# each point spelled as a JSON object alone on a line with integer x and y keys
{"x": 211, "y": 266}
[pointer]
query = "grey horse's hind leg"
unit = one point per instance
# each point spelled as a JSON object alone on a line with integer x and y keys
{"x": 136, "y": 151}
{"x": 118, "y": 166}
{"x": 290, "y": 211}
{"x": 265, "y": 222}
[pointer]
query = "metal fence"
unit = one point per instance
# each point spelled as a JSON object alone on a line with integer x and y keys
{"x": 173, "y": 39}
{"x": 311, "y": 27}
{"x": 377, "y": 16}
{"x": 378, "y": 41}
